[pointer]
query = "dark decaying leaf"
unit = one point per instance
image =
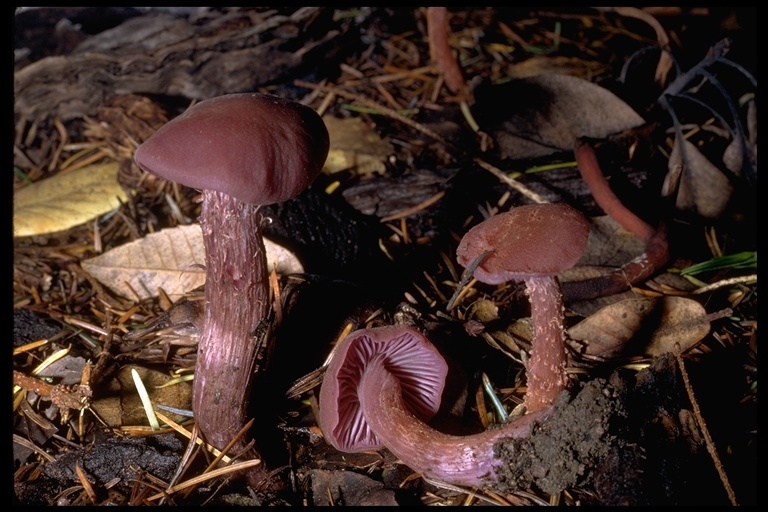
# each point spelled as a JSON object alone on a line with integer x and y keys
{"x": 544, "y": 114}
{"x": 702, "y": 187}
{"x": 739, "y": 149}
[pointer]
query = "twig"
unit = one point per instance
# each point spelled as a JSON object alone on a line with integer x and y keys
{"x": 726, "y": 282}
{"x": 207, "y": 476}
{"x": 705, "y": 432}
{"x": 65, "y": 397}
{"x": 417, "y": 208}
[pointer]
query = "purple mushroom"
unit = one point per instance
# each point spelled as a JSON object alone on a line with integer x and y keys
{"x": 243, "y": 151}
{"x": 381, "y": 388}
{"x": 533, "y": 243}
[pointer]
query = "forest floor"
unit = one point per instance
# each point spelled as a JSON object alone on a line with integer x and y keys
{"x": 662, "y": 353}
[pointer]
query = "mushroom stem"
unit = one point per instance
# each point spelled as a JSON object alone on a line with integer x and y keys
{"x": 656, "y": 252}
{"x": 459, "y": 460}
{"x": 236, "y": 307}
{"x": 438, "y": 31}
{"x": 545, "y": 371}
{"x": 593, "y": 176}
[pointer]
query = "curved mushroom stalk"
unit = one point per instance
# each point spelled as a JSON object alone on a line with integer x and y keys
{"x": 379, "y": 390}
{"x": 459, "y": 460}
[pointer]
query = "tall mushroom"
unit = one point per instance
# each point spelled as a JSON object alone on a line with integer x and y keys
{"x": 380, "y": 389}
{"x": 533, "y": 243}
{"x": 243, "y": 151}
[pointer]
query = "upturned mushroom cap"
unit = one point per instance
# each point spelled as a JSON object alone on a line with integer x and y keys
{"x": 527, "y": 241}
{"x": 406, "y": 354}
{"x": 258, "y": 148}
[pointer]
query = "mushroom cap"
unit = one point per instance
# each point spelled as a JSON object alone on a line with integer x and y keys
{"x": 407, "y": 355}
{"x": 258, "y": 148}
{"x": 527, "y": 241}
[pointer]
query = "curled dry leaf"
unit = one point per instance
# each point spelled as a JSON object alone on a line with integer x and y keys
{"x": 739, "y": 148}
{"x": 700, "y": 186}
{"x": 654, "y": 325}
{"x": 66, "y": 200}
{"x": 172, "y": 259}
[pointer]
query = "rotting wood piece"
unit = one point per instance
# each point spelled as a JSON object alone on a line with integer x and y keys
{"x": 161, "y": 54}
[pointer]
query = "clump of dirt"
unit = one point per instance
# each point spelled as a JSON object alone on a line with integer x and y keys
{"x": 629, "y": 439}
{"x": 561, "y": 451}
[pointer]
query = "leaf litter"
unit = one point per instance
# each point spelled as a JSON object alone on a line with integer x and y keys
{"x": 662, "y": 328}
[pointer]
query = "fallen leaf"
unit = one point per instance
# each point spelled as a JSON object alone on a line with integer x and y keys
{"x": 700, "y": 186}
{"x": 610, "y": 244}
{"x": 66, "y": 200}
{"x": 654, "y": 325}
{"x": 172, "y": 259}
{"x": 121, "y": 404}
{"x": 68, "y": 370}
{"x": 540, "y": 115}
{"x": 354, "y": 145}
{"x": 734, "y": 155}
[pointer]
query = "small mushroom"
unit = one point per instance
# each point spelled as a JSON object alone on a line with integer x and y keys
{"x": 533, "y": 243}
{"x": 243, "y": 151}
{"x": 380, "y": 389}
{"x": 417, "y": 364}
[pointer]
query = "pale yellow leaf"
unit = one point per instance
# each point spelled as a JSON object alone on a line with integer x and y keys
{"x": 172, "y": 259}
{"x": 66, "y": 200}
{"x": 645, "y": 325}
{"x": 354, "y": 145}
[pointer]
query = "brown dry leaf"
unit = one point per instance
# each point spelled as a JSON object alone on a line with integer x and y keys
{"x": 540, "y": 115}
{"x": 66, "y": 200}
{"x": 654, "y": 323}
{"x": 354, "y": 145}
{"x": 172, "y": 259}
{"x": 700, "y": 186}
{"x": 122, "y": 405}
{"x": 734, "y": 154}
